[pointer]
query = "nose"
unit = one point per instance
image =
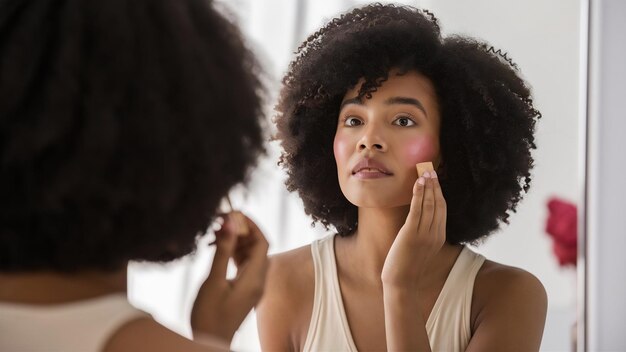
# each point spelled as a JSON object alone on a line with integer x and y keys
{"x": 372, "y": 140}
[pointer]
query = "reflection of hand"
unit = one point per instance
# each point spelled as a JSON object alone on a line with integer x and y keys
{"x": 221, "y": 304}
{"x": 420, "y": 238}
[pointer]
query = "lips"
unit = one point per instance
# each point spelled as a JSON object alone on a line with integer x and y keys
{"x": 370, "y": 167}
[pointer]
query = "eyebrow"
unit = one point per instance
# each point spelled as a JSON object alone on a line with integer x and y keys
{"x": 390, "y": 101}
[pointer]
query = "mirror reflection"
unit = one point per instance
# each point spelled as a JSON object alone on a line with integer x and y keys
{"x": 542, "y": 40}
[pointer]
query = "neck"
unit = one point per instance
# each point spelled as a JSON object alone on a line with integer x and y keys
{"x": 48, "y": 287}
{"x": 376, "y": 232}
{"x": 377, "y": 229}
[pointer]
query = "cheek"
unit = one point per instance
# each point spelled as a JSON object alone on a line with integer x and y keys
{"x": 342, "y": 148}
{"x": 419, "y": 150}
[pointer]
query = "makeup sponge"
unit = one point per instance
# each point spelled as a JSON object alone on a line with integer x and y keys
{"x": 423, "y": 167}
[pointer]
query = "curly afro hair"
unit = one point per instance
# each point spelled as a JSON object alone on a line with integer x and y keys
{"x": 487, "y": 115}
{"x": 122, "y": 126}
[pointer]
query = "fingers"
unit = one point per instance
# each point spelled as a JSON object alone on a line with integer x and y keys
{"x": 255, "y": 247}
{"x": 261, "y": 244}
{"x": 441, "y": 207}
{"x": 240, "y": 223}
{"x": 415, "y": 209}
{"x": 253, "y": 270}
{"x": 428, "y": 205}
{"x": 225, "y": 241}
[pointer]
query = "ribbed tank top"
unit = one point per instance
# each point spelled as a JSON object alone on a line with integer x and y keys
{"x": 448, "y": 325}
{"x": 83, "y": 326}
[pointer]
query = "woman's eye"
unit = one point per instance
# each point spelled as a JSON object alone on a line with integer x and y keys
{"x": 352, "y": 121}
{"x": 404, "y": 121}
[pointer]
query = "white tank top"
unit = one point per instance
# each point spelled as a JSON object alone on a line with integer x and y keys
{"x": 448, "y": 325}
{"x": 83, "y": 326}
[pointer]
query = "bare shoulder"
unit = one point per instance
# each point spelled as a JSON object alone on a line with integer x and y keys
{"x": 145, "y": 334}
{"x": 289, "y": 271}
{"x": 495, "y": 280}
{"x": 284, "y": 312}
{"x": 509, "y": 306}
{"x": 290, "y": 280}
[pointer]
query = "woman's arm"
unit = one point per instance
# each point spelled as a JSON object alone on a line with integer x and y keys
{"x": 221, "y": 304}
{"x": 417, "y": 242}
{"x": 273, "y": 320}
{"x": 511, "y": 302}
{"x": 284, "y": 312}
{"x": 404, "y": 323}
{"x": 511, "y": 308}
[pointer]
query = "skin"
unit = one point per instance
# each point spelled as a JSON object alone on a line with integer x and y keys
{"x": 392, "y": 131}
{"x": 220, "y": 306}
{"x": 392, "y": 269}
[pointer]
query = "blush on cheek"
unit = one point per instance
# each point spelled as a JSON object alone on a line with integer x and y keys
{"x": 341, "y": 148}
{"x": 419, "y": 150}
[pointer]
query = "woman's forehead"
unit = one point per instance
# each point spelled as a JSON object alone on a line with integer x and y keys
{"x": 410, "y": 84}
{"x": 400, "y": 86}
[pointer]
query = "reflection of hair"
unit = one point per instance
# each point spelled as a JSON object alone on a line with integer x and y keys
{"x": 487, "y": 126}
{"x": 122, "y": 125}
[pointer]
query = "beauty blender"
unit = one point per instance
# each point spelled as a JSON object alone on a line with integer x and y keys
{"x": 423, "y": 167}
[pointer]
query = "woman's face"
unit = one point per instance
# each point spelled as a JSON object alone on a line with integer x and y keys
{"x": 379, "y": 140}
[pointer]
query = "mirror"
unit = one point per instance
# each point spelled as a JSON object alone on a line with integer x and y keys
{"x": 542, "y": 37}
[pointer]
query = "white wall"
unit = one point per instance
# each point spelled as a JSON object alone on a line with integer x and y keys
{"x": 541, "y": 36}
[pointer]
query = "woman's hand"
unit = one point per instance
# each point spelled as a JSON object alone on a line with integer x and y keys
{"x": 418, "y": 241}
{"x": 420, "y": 238}
{"x": 221, "y": 304}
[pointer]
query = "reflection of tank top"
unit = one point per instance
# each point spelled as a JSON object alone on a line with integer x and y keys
{"x": 448, "y": 325}
{"x": 84, "y": 326}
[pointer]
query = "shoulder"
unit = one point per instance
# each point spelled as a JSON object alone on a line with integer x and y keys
{"x": 290, "y": 270}
{"x": 508, "y": 301}
{"x": 290, "y": 277}
{"x": 284, "y": 312}
{"x": 491, "y": 270}
{"x": 496, "y": 281}
{"x": 497, "y": 284}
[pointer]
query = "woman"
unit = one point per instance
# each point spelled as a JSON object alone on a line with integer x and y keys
{"x": 123, "y": 124}
{"x": 396, "y": 275}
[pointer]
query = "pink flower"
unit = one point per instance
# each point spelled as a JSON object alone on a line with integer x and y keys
{"x": 562, "y": 227}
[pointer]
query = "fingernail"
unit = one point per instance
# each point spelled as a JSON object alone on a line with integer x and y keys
{"x": 426, "y": 174}
{"x": 421, "y": 181}
{"x": 433, "y": 174}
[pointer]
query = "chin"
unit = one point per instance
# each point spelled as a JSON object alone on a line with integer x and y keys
{"x": 379, "y": 202}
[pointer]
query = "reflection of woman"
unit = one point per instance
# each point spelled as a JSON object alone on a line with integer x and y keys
{"x": 370, "y": 95}
{"x": 122, "y": 125}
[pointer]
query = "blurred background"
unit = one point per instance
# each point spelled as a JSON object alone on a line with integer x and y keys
{"x": 542, "y": 37}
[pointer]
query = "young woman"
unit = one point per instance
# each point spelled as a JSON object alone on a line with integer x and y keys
{"x": 370, "y": 95}
{"x": 123, "y": 123}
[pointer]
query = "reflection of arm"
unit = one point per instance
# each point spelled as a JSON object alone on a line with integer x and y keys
{"x": 285, "y": 309}
{"x": 404, "y": 323}
{"x": 511, "y": 309}
{"x": 272, "y": 320}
